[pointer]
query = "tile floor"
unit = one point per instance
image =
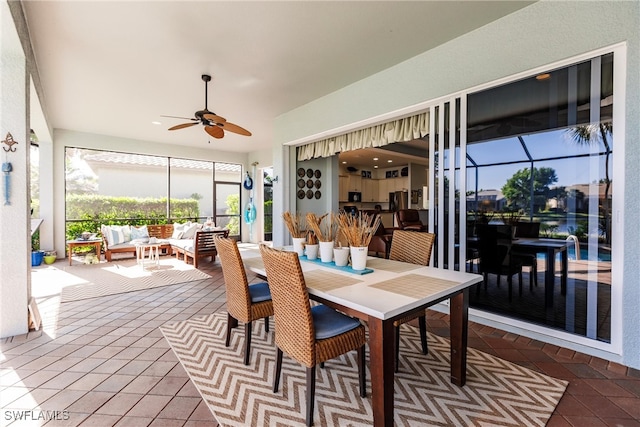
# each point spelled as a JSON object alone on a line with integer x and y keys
{"x": 105, "y": 362}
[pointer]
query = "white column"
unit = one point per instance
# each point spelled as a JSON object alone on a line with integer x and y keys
{"x": 15, "y": 236}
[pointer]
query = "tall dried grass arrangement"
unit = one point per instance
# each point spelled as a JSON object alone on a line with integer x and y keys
{"x": 294, "y": 224}
{"x": 325, "y": 227}
{"x": 358, "y": 229}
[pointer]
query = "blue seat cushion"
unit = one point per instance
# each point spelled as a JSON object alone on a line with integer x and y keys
{"x": 329, "y": 323}
{"x": 259, "y": 292}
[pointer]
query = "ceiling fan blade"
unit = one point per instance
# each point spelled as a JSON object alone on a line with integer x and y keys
{"x": 182, "y": 126}
{"x": 177, "y": 117}
{"x": 235, "y": 128}
{"x": 214, "y": 118}
{"x": 214, "y": 131}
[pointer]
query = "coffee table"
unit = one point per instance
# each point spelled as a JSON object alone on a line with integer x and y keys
{"x": 148, "y": 254}
{"x": 97, "y": 243}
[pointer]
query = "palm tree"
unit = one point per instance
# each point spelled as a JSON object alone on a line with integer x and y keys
{"x": 593, "y": 134}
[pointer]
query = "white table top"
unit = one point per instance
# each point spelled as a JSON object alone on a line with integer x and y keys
{"x": 382, "y": 294}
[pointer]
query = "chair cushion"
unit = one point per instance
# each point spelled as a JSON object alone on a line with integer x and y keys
{"x": 329, "y": 323}
{"x": 259, "y": 292}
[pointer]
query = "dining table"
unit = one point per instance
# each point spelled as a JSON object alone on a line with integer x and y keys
{"x": 549, "y": 247}
{"x": 389, "y": 292}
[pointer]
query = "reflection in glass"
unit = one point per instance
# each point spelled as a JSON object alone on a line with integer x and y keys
{"x": 536, "y": 153}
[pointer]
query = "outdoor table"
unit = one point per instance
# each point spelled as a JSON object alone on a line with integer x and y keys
{"x": 97, "y": 243}
{"x": 148, "y": 253}
{"x": 393, "y": 290}
{"x": 550, "y": 247}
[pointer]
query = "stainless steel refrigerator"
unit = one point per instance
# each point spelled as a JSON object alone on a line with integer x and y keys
{"x": 398, "y": 200}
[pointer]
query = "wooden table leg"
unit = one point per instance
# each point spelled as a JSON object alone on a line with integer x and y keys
{"x": 459, "y": 324}
{"x": 382, "y": 361}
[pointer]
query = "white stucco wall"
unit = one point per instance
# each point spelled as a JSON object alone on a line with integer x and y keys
{"x": 543, "y": 33}
{"x": 15, "y": 241}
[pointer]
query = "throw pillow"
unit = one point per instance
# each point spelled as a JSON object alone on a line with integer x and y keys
{"x": 178, "y": 230}
{"x": 189, "y": 231}
{"x": 118, "y": 234}
{"x": 139, "y": 232}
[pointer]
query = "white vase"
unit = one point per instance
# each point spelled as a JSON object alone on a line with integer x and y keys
{"x": 359, "y": 257}
{"x": 298, "y": 245}
{"x": 341, "y": 256}
{"x": 311, "y": 251}
{"x": 326, "y": 251}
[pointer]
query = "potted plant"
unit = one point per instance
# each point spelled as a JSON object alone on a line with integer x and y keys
{"x": 36, "y": 253}
{"x": 50, "y": 257}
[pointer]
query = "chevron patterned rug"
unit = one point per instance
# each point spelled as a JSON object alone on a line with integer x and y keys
{"x": 497, "y": 393}
{"x": 79, "y": 282}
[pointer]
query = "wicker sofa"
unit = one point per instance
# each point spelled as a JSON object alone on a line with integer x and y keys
{"x": 161, "y": 232}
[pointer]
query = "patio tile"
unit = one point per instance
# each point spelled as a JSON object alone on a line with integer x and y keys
{"x": 120, "y": 404}
{"x": 62, "y": 380}
{"x": 114, "y": 383}
{"x": 88, "y": 381}
{"x": 134, "y": 422}
{"x": 90, "y": 402}
{"x": 179, "y": 408}
{"x": 149, "y": 406}
{"x": 169, "y": 386}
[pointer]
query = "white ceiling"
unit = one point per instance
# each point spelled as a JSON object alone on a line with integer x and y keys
{"x": 113, "y": 68}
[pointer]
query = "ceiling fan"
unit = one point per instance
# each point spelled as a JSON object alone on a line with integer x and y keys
{"x": 213, "y": 124}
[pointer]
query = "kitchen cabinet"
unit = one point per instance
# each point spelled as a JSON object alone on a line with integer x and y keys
{"x": 383, "y": 190}
{"x": 355, "y": 183}
{"x": 370, "y": 190}
{"x": 343, "y": 188}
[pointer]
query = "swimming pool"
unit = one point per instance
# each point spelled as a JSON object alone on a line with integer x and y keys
{"x": 604, "y": 256}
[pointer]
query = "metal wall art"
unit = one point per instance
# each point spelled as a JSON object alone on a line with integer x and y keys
{"x": 7, "y": 167}
{"x": 309, "y": 183}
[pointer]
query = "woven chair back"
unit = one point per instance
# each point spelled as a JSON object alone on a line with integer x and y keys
{"x": 294, "y": 332}
{"x": 235, "y": 278}
{"x": 412, "y": 246}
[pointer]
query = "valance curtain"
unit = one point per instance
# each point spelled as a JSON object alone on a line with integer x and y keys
{"x": 400, "y": 130}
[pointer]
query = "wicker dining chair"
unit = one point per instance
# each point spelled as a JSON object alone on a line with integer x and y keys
{"x": 310, "y": 335}
{"x": 413, "y": 247}
{"x": 245, "y": 302}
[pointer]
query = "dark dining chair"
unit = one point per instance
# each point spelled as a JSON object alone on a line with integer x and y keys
{"x": 245, "y": 302}
{"x": 414, "y": 247}
{"x": 380, "y": 242}
{"x": 529, "y": 259}
{"x": 409, "y": 219}
{"x": 310, "y": 335}
{"x": 494, "y": 248}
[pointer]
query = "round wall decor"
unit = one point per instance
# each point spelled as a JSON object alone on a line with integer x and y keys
{"x": 300, "y": 194}
{"x": 300, "y": 172}
{"x": 309, "y": 173}
{"x": 318, "y": 194}
{"x": 309, "y": 183}
{"x": 301, "y": 183}
{"x": 317, "y": 184}
{"x": 309, "y": 194}
{"x": 318, "y": 174}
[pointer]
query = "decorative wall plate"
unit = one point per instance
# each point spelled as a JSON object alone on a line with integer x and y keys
{"x": 300, "y": 172}
{"x": 318, "y": 194}
{"x": 318, "y": 174}
{"x": 301, "y": 183}
{"x": 309, "y": 194}
{"x": 318, "y": 184}
{"x": 300, "y": 194}
{"x": 309, "y": 183}
{"x": 309, "y": 173}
